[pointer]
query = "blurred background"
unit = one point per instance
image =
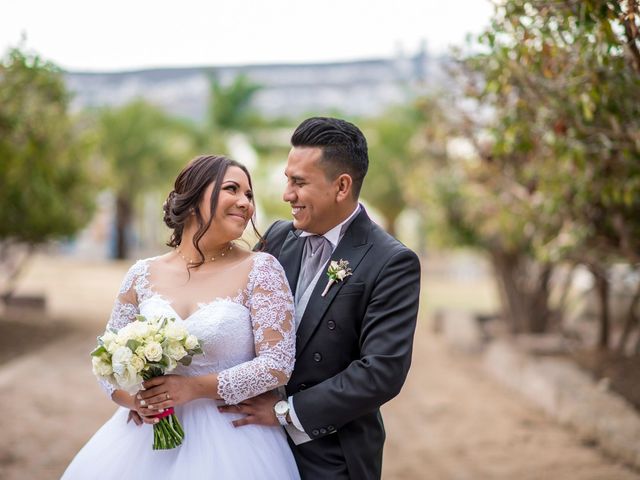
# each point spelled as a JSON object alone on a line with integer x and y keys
{"x": 504, "y": 140}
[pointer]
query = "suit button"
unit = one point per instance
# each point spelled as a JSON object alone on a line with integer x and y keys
{"x": 331, "y": 325}
{"x": 317, "y": 357}
{"x": 323, "y": 431}
{"x": 315, "y": 433}
{"x": 331, "y": 428}
{"x": 302, "y": 387}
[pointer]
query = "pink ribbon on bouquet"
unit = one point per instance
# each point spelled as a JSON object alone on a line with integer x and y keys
{"x": 166, "y": 413}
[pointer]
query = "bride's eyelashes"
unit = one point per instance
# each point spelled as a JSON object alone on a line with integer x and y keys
{"x": 234, "y": 189}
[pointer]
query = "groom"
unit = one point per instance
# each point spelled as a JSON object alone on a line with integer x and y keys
{"x": 355, "y": 334}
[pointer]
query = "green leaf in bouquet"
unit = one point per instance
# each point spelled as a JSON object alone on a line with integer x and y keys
{"x": 195, "y": 351}
{"x": 133, "y": 345}
{"x": 186, "y": 360}
{"x": 141, "y": 318}
{"x": 165, "y": 362}
{"x": 153, "y": 371}
{"x": 99, "y": 351}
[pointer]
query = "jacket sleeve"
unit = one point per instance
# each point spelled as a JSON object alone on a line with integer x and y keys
{"x": 272, "y": 239}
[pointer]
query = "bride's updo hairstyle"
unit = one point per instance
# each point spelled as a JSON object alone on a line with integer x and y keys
{"x": 187, "y": 192}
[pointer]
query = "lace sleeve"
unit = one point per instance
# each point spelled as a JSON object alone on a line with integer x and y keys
{"x": 271, "y": 307}
{"x": 125, "y": 308}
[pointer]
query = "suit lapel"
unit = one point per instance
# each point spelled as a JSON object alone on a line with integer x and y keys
{"x": 290, "y": 257}
{"x": 352, "y": 248}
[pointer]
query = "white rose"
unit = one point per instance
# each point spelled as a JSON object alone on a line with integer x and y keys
{"x": 112, "y": 346}
{"x": 122, "y": 355}
{"x": 176, "y": 351}
{"x": 123, "y": 337}
{"x": 100, "y": 367}
{"x": 341, "y": 274}
{"x": 108, "y": 337}
{"x": 175, "y": 332}
{"x": 137, "y": 363}
{"x": 129, "y": 380}
{"x": 140, "y": 330}
{"x": 153, "y": 351}
{"x": 191, "y": 342}
{"x": 333, "y": 265}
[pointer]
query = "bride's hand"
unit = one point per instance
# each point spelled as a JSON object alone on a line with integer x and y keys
{"x": 165, "y": 392}
{"x": 141, "y": 413}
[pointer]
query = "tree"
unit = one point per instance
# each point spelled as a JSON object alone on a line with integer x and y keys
{"x": 143, "y": 148}
{"x": 229, "y": 112}
{"x": 230, "y": 107}
{"x": 394, "y": 149}
{"x": 234, "y": 120}
{"x": 559, "y": 179}
{"x": 45, "y": 187}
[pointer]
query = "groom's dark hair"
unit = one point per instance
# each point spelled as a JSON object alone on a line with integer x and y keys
{"x": 344, "y": 148}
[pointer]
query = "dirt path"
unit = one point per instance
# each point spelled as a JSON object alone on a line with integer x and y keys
{"x": 450, "y": 422}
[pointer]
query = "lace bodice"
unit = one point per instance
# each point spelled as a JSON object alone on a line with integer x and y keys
{"x": 249, "y": 340}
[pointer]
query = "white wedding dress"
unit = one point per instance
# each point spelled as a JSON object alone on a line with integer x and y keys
{"x": 249, "y": 340}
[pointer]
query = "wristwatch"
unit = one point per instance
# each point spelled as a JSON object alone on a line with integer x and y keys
{"x": 281, "y": 409}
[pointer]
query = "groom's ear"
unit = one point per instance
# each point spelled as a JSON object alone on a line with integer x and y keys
{"x": 344, "y": 183}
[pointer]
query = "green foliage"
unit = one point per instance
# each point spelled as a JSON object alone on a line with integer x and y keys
{"x": 230, "y": 107}
{"x": 143, "y": 149}
{"x": 394, "y": 150}
{"x": 45, "y": 186}
{"x": 556, "y": 91}
{"x": 563, "y": 81}
{"x": 231, "y": 113}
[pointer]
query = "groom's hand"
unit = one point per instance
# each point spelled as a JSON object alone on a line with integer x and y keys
{"x": 135, "y": 416}
{"x": 257, "y": 410}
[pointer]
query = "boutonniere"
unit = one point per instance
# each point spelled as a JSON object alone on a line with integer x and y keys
{"x": 336, "y": 272}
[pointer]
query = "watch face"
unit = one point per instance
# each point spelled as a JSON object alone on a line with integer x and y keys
{"x": 281, "y": 408}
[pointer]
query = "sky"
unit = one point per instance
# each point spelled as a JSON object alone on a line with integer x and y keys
{"x": 135, "y": 34}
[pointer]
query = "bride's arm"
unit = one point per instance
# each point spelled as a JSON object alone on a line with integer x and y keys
{"x": 124, "y": 311}
{"x": 272, "y": 319}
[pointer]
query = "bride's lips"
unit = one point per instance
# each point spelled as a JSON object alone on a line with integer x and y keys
{"x": 238, "y": 215}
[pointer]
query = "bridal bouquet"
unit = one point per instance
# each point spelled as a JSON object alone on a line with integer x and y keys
{"x": 141, "y": 350}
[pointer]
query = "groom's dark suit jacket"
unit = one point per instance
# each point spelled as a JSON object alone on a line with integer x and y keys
{"x": 353, "y": 347}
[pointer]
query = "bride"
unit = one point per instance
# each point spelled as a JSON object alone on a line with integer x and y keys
{"x": 239, "y": 305}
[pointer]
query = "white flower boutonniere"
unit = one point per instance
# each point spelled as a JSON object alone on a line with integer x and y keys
{"x": 336, "y": 272}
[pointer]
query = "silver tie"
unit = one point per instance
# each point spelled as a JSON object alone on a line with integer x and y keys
{"x": 317, "y": 251}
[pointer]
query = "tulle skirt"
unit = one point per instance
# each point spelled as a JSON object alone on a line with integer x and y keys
{"x": 212, "y": 449}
